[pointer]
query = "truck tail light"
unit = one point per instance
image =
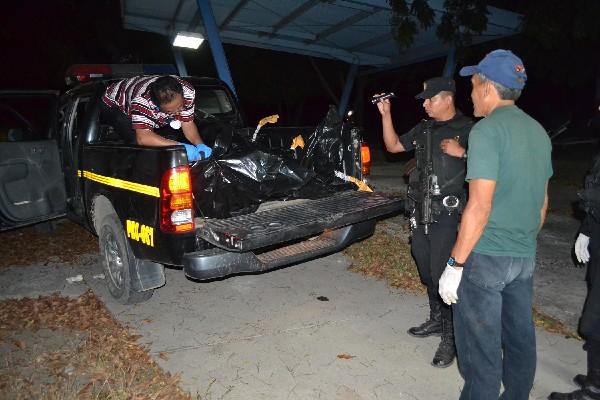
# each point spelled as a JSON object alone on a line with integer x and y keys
{"x": 176, "y": 203}
{"x": 365, "y": 158}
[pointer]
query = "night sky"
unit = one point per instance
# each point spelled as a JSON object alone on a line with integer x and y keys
{"x": 40, "y": 39}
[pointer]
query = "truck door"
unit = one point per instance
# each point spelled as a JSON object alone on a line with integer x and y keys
{"x": 31, "y": 180}
{"x": 72, "y": 117}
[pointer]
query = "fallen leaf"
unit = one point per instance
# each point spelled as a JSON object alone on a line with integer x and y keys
{"x": 163, "y": 355}
{"x": 345, "y": 356}
{"x": 102, "y": 352}
{"x": 20, "y": 344}
{"x": 86, "y": 391}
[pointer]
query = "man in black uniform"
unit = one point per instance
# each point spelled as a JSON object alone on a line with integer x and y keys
{"x": 587, "y": 248}
{"x": 440, "y": 171}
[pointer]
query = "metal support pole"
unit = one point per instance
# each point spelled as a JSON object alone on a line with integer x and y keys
{"x": 214, "y": 40}
{"x": 450, "y": 66}
{"x": 179, "y": 62}
{"x": 347, "y": 89}
{"x": 598, "y": 86}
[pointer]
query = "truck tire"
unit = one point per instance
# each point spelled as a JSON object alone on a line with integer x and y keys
{"x": 118, "y": 261}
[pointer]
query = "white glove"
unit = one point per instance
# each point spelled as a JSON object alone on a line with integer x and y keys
{"x": 581, "y": 248}
{"x": 449, "y": 284}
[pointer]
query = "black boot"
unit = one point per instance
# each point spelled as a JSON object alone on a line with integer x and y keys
{"x": 590, "y": 384}
{"x": 580, "y": 380}
{"x": 590, "y": 388}
{"x": 589, "y": 392}
{"x": 433, "y": 326}
{"x": 446, "y": 352}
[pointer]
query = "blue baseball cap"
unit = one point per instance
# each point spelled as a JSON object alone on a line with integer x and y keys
{"x": 501, "y": 66}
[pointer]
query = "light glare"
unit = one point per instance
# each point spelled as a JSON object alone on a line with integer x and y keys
{"x": 189, "y": 40}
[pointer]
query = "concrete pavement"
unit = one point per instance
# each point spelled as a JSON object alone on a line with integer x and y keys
{"x": 278, "y": 335}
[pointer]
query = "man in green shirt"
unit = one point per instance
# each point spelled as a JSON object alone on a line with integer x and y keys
{"x": 508, "y": 169}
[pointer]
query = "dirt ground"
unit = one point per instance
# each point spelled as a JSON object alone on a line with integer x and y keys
{"x": 54, "y": 347}
{"x": 58, "y": 241}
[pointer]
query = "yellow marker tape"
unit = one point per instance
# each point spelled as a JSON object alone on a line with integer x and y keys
{"x": 271, "y": 119}
{"x": 139, "y": 232}
{"x": 297, "y": 142}
{"x": 120, "y": 183}
{"x": 266, "y": 120}
{"x": 362, "y": 186}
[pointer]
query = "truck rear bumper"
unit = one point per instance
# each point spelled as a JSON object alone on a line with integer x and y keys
{"x": 216, "y": 262}
{"x": 262, "y": 229}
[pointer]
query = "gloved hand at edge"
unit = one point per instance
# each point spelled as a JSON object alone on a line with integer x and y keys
{"x": 192, "y": 152}
{"x": 204, "y": 151}
{"x": 581, "y": 248}
{"x": 448, "y": 285}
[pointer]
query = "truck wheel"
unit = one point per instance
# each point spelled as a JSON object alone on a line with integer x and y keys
{"x": 118, "y": 261}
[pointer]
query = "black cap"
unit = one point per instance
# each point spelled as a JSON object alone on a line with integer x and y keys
{"x": 433, "y": 86}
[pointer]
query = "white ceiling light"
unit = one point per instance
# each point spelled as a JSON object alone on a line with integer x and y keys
{"x": 190, "y": 40}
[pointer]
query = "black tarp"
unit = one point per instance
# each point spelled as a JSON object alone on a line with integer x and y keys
{"x": 241, "y": 174}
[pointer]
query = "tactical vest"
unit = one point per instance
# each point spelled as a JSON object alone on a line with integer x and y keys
{"x": 450, "y": 171}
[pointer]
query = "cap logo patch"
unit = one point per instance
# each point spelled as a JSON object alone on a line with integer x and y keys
{"x": 519, "y": 68}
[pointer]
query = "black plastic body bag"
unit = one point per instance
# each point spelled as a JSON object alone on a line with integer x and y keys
{"x": 242, "y": 174}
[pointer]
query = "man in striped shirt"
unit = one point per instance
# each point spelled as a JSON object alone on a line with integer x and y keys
{"x": 139, "y": 105}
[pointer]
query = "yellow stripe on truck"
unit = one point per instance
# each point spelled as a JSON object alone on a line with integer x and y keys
{"x": 120, "y": 183}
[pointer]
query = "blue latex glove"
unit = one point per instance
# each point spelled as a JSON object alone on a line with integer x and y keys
{"x": 202, "y": 148}
{"x": 192, "y": 152}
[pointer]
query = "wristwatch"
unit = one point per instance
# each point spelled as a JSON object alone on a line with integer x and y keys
{"x": 453, "y": 263}
{"x": 464, "y": 156}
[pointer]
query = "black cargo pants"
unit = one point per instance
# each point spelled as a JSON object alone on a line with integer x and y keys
{"x": 431, "y": 253}
{"x": 589, "y": 324}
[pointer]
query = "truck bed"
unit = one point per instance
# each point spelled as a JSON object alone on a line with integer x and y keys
{"x": 300, "y": 219}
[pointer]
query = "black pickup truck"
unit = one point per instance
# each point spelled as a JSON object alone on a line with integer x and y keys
{"x": 139, "y": 200}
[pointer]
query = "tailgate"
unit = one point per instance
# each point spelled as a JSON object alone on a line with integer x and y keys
{"x": 296, "y": 221}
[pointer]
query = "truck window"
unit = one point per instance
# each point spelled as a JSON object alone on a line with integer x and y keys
{"x": 213, "y": 101}
{"x": 26, "y": 118}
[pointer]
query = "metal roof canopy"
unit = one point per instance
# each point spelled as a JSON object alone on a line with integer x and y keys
{"x": 355, "y": 31}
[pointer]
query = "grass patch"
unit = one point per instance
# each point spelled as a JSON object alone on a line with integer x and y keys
{"x": 386, "y": 256}
{"x": 551, "y": 324}
{"x": 58, "y": 348}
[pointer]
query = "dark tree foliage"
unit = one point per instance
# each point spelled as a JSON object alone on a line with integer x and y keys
{"x": 406, "y": 20}
{"x": 460, "y": 20}
{"x": 562, "y": 39}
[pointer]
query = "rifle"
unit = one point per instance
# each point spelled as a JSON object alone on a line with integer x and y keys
{"x": 427, "y": 181}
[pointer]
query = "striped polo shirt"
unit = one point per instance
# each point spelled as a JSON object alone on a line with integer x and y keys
{"x": 132, "y": 97}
